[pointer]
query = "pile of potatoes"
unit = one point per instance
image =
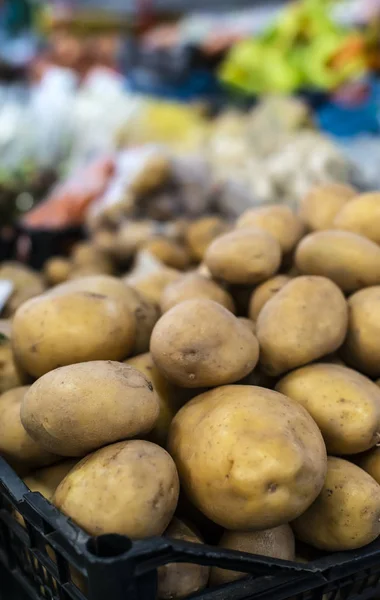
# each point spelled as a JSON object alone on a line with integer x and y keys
{"x": 230, "y": 399}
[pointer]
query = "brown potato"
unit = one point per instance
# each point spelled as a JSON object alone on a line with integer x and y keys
{"x": 323, "y": 202}
{"x": 170, "y": 253}
{"x": 350, "y": 260}
{"x": 248, "y": 458}
{"x": 142, "y": 489}
{"x": 305, "y": 320}
{"x": 169, "y": 396}
{"x": 46, "y": 480}
{"x": 344, "y": 404}
{"x": 199, "y": 343}
{"x": 277, "y": 542}
{"x": 361, "y": 348}
{"x": 76, "y": 409}
{"x": 202, "y": 232}
{"x": 26, "y": 284}
{"x": 21, "y": 451}
{"x": 57, "y": 270}
{"x": 361, "y": 215}
{"x": 261, "y": 252}
{"x": 346, "y": 514}
{"x": 58, "y": 329}
{"x": 193, "y": 286}
{"x": 179, "y": 580}
{"x": 276, "y": 219}
{"x": 264, "y": 292}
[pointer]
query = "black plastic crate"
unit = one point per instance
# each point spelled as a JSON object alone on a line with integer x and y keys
{"x": 49, "y": 556}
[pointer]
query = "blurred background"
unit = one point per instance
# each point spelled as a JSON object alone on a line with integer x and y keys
{"x": 238, "y": 102}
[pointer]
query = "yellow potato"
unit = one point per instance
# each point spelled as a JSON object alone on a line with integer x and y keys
{"x": 57, "y": 270}
{"x": 26, "y": 284}
{"x": 370, "y": 462}
{"x": 277, "y": 542}
{"x": 46, "y": 480}
{"x": 152, "y": 286}
{"x": 361, "y": 215}
{"x": 179, "y": 580}
{"x": 191, "y": 286}
{"x": 361, "y": 348}
{"x": 142, "y": 489}
{"x": 248, "y": 458}
{"x": 9, "y": 374}
{"x": 202, "y": 232}
{"x": 169, "y": 396}
{"x": 199, "y": 343}
{"x": 248, "y": 323}
{"x": 170, "y": 253}
{"x": 323, "y": 202}
{"x": 85, "y": 254}
{"x": 344, "y": 404}
{"x": 276, "y": 219}
{"x": 305, "y": 320}
{"x": 21, "y": 451}
{"x": 245, "y": 256}
{"x": 264, "y": 292}
{"x": 350, "y": 260}
{"x": 60, "y": 329}
{"x": 76, "y": 409}
{"x": 346, "y": 514}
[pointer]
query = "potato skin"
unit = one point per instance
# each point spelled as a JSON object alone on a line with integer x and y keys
{"x": 178, "y": 580}
{"x": 193, "y": 286}
{"x": 26, "y": 284}
{"x": 264, "y": 292}
{"x": 202, "y": 232}
{"x": 350, "y": 260}
{"x": 278, "y": 220}
{"x": 344, "y": 404}
{"x": 199, "y": 343}
{"x": 361, "y": 215}
{"x": 320, "y": 206}
{"x": 142, "y": 488}
{"x": 54, "y": 330}
{"x": 370, "y": 462}
{"x": 346, "y": 514}
{"x": 277, "y": 542}
{"x": 261, "y": 252}
{"x": 46, "y": 480}
{"x": 169, "y": 252}
{"x": 224, "y": 473}
{"x": 304, "y": 321}
{"x": 361, "y": 348}
{"x": 17, "y": 447}
{"x": 76, "y": 409}
{"x": 57, "y": 270}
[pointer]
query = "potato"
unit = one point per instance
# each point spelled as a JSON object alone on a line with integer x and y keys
{"x": 9, "y": 374}
{"x": 131, "y": 236}
{"x": 370, "y": 462}
{"x": 57, "y": 270}
{"x": 278, "y": 220}
{"x": 145, "y": 312}
{"x": 199, "y": 343}
{"x": 142, "y": 489}
{"x": 46, "y": 480}
{"x": 361, "y": 215}
{"x": 192, "y": 286}
{"x": 264, "y": 292}
{"x": 170, "y": 253}
{"x": 350, "y": 260}
{"x": 202, "y": 232}
{"x": 169, "y": 396}
{"x": 76, "y": 409}
{"x": 17, "y": 447}
{"x": 152, "y": 286}
{"x": 248, "y": 458}
{"x": 361, "y": 348}
{"x": 277, "y": 542}
{"x": 58, "y": 329}
{"x": 320, "y": 206}
{"x": 344, "y": 404}
{"x": 178, "y": 580}
{"x": 248, "y": 323}
{"x": 86, "y": 254}
{"x": 346, "y": 514}
{"x": 26, "y": 284}
{"x": 261, "y": 252}
{"x": 302, "y": 322}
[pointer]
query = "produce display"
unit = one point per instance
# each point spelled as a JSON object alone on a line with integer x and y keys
{"x": 209, "y": 380}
